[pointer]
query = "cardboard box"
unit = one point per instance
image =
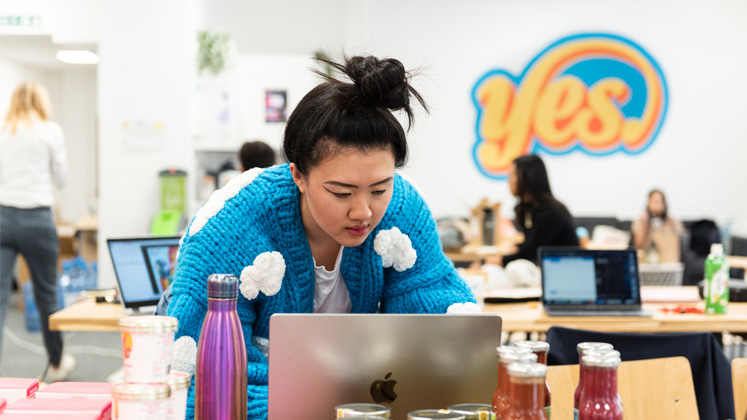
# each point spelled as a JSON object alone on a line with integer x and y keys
{"x": 101, "y": 409}
{"x": 95, "y": 390}
{"x": 14, "y": 389}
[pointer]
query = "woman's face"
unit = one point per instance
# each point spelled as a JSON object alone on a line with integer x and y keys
{"x": 344, "y": 197}
{"x": 656, "y": 204}
{"x": 513, "y": 181}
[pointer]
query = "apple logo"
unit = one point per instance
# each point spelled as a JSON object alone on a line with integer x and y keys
{"x": 382, "y": 391}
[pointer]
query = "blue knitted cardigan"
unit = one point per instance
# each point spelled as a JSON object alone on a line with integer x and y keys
{"x": 265, "y": 216}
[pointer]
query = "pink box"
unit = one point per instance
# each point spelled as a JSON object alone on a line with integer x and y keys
{"x": 3, "y": 404}
{"x": 46, "y": 416}
{"x": 14, "y": 389}
{"x": 102, "y": 409}
{"x": 98, "y": 390}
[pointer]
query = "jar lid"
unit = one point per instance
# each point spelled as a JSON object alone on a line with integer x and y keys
{"x": 141, "y": 392}
{"x": 365, "y": 417}
{"x": 359, "y": 409}
{"x": 511, "y": 354}
{"x": 511, "y": 349}
{"x": 471, "y": 411}
{"x": 534, "y": 346}
{"x": 434, "y": 414}
{"x": 607, "y": 359}
{"x": 222, "y": 286}
{"x": 582, "y": 347}
{"x": 148, "y": 324}
{"x": 179, "y": 380}
{"x": 527, "y": 370}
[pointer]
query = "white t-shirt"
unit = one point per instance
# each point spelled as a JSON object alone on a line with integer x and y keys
{"x": 330, "y": 293}
{"x": 32, "y": 162}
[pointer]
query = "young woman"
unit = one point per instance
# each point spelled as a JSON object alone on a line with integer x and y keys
{"x": 334, "y": 230}
{"x": 542, "y": 218}
{"x": 656, "y": 226}
{"x": 32, "y": 162}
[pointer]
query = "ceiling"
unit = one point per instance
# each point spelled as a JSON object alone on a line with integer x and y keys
{"x": 39, "y": 51}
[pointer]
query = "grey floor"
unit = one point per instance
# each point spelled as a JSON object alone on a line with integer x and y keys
{"x": 97, "y": 354}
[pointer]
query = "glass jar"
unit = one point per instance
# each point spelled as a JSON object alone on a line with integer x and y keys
{"x": 140, "y": 401}
{"x": 473, "y": 411}
{"x": 434, "y": 414}
{"x": 600, "y": 400}
{"x": 146, "y": 346}
{"x": 526, "y": 390}
{"x": 350, "y": 410}
{"x": 540, "y": 348}
{"x": 582, "y": 348}
{"x": 506, "y": 356}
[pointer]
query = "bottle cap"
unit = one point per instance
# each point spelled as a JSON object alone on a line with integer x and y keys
{"x": 534, "y": 346}
{"x": 607, "y": 359}
{"x": 527, "y": 370}
{"x": 582, "y": 347}
{"x": 511, "y": 349}
{"x": 222, "y": 286}
{"x": 717, "y": 249}
{"x": 519, "y": 355}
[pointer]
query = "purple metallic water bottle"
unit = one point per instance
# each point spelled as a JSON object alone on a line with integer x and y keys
{"x": 220, "y": 375}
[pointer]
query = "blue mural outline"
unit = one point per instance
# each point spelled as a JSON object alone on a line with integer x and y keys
{"x": 534, "y": 144}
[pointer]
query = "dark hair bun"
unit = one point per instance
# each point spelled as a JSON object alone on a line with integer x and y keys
{"x": 382, "y": 83}
{"x": 378, "y": 83}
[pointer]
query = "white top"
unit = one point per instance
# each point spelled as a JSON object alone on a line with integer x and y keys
{"x": 330, "y": 293}
{"x": 31, "y": 162}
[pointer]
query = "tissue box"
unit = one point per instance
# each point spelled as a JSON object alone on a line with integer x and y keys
{"x": 102, "y": 409}
{"x": 14, "y": 389}
{"x": 97, "y": 390}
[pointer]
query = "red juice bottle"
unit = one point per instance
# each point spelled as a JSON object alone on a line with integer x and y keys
{"x": 506, "y": 356}
{"x": 600, "y": 400}
{"x": 540, "y": 348}
{"x": 526, "y": 390}
{"x": 582, "y": 348}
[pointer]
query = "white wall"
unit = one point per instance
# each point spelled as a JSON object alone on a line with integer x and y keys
{"x": 146, "y": 65}
{"x": 698, "y": 158}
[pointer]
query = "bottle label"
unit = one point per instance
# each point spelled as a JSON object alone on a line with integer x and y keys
{"x": 575, "y": 414}
{"x": 717, "y": 297}
{"x": 547, "y": 412}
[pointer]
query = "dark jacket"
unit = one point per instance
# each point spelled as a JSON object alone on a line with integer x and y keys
{"x": 551, "y": 225}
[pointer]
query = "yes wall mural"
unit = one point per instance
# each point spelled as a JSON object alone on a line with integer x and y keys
{"x": 594, "y": 93}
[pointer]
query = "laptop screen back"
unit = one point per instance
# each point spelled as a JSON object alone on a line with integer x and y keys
{"x": 144, "y": 268}
{"x": 572, "y": 276}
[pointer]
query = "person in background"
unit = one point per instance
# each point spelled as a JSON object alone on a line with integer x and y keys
{"x": 655, "y": 233}
{"x": 540, "y": 216}
{"x": 255, "y": 154}
{"x": 335, "y": 230}
{"x": 32, "y": 162}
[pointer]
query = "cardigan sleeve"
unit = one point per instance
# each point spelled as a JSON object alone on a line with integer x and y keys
{"x": 189, "y": 306}
{"x": 432, "y": 284}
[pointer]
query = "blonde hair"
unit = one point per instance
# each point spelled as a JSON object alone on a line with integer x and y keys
{"x": 29, "y": 100}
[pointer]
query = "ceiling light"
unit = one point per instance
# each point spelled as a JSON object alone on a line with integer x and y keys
{"x": 77, "y": 57}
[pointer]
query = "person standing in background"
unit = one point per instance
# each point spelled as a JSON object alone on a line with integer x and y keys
{"x": 256, "y": 154}
{"x": 656, "y": 233}
{"x": 540, "y": 216}
{"x": 32, "y": 162}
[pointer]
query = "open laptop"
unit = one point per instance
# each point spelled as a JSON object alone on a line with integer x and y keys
{"x": 144, "y": 267}
{"x": 406, "y": 362}
{"x": 583, "y": 282}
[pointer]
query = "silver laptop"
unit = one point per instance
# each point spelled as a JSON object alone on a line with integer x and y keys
{"x": 144, "y": 267}
{"x": 582, "y": 282}
{"x": 406, "y": 362}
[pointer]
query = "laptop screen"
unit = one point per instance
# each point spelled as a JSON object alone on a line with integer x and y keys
{"x": 573, "y": 276}
{"x": 144, "y": 268}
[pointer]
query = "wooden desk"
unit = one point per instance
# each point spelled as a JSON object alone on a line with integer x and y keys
{"x": 530, "y": 317}
{"x": 737, "y": 262}
{"x": 87, "y": 315}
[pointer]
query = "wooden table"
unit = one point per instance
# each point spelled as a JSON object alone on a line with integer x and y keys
{"x": 530, "y": 317}
{"x": 87, "y": 315}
